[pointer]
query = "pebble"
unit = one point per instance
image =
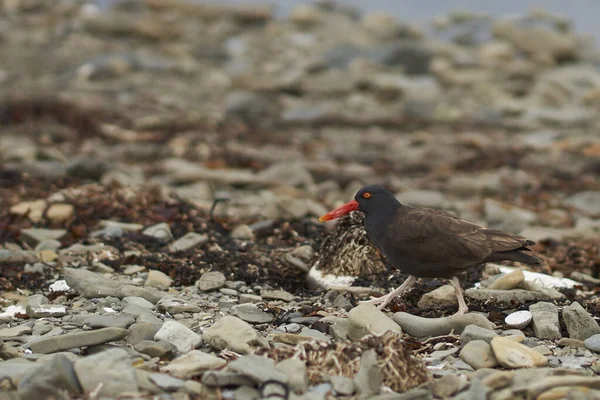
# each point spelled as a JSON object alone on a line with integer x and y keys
{"x": 141, "y": 331}
{"x": 250, "y": 298}
{"x": 251, "y": 313}
{"x": 74, "y": 340}
{"x": 179, "y": 335}
{"x": 513, "y": 355}
{"x": 231, "y": 333}
{"x": 296, "y": 372}
{"x": 105, "y": 321}
{"x": 580, "y": 324}
{"x": 193, "y": 364}
{"x": 593, "y": 343}
{"x": 422, "y": 327}
{"x": 277, "y": 295}
{"x": 518, "y": 319}
{"x": 448, "y": 385}
{"x": 108, "y": 373}
{"x": 14, "y": 331}
{"x": 177, "y": 305}
{"x": 568, "y": 342}
{"x": 211, "y": 281}
{"x": 258, "y": 369}
{"x": 160, "y": 231}
{"x": 509, "y": 281}
{"x": 152, "y": 348}
{"x": 367, "y": 319}
{"x": 518, "y": 296}
{"x": 242, "y": 232}
{"x": 38, "y": 235}
{"x": 475, "y": 332}
{"x": 188, "y": 242}
{"x": 158, "y": 279}
{"x": 545, "y": 320}
{"x": 444, "y": 296}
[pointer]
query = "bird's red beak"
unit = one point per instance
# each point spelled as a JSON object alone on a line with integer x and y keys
{"x": 340, "y": 211}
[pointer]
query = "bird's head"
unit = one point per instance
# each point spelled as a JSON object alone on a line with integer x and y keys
{"x": 368, "y": 199}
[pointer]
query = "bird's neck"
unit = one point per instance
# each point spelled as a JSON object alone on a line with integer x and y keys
{"x": 381, "y": 217}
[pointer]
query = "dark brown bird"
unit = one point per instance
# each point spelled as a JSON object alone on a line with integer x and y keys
{"x": 428, "y": 243}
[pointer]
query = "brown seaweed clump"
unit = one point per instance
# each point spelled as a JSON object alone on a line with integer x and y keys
{"x": 399, "y": 369}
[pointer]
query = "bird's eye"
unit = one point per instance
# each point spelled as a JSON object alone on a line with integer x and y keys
{"x": 367, "y": 195}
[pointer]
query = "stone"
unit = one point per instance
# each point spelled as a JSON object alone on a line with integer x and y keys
{"x": 296, "y": 372}
{"x": 74, "y": 340}
{"x": 138, "y": 302}
{"x": 587, "y": 202}
{"x": 366, "y": 319}
{"x": 105, "y": 321}
{"x": 422, "y": 327}
{"x": 249, "y": 298}
{"x": 518, "y": 296}
{"x": 158, "y": 279}
{"x": 545, "y": 320}
{"x": 160, "y": 231}
{"x": 251, "y": 313}
{"x": 447, "y": 386}
{"x": 231, "y": 333}
{"x": 108, "y": 373}
{"x": 475, "y": 332}
{"x": 513, "y": 355}
{"x": 518, "y": 319}
{"x": 159, "y": 349}
{"x": 166, "y": 382}
{"x": 38, "y": 235}
{"x": 259, "y": 369}
{"x": 60, "y": 212}
{"x": 305, "y": 253}
{"x": 51, "y": 380}
{"x": 177, "y": 305}
{"x": 277, "y": 295}
{"x": 193, "y": 364}
{"x": 33, "y": 209}
{"x": 242, "y": 232}
{"x": 568, "y": 342}
{"x": 580, "y": 324}
{"x": 342, "y": 385}
{"x": 92, "y": 285}
{"x": 508, "y": 281}
{"x": 593, "y": 343}
{"x": 222, "y": 379}
{"x": 14, "y": 331}
{"x": 212, "y": 280}
{"x": 368, "y": 380}
{"x": 179, "y": 335}
{"x": 188, "y": 242}
{"x": 141, "y": 331}
{"x": 444, "y": 296}
{"x": 478, "y": 354}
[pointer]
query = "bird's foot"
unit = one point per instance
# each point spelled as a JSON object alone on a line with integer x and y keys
{"x": 461, "y": 311}
{"x": 383, "y": 301}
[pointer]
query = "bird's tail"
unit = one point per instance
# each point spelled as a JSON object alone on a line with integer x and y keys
{"x": 514, "y": 255}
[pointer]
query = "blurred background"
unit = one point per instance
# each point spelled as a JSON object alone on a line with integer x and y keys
{"x": 487, "y": 109}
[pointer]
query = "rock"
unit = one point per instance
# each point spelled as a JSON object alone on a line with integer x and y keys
{"x": 422, "y": 327}
{"x": 296, "y": 372}
{"x": 158, "y": 279}
{"x": 448, "y": 385}
{"x": 515, "y": 296}
{"x": 38, "y": 235}
{"x": 290, "y": 338}
{"x": 444, "y": 296}
{"x": 74, "y": 340}
{"x": 545, "y": 320}
{"x": 160, "y": 231}
{"x": 513, "y": 355}
{"x": 231, "y": 333}
{"x": 188, "y": 242}
{"x": 193, "y": 364}
{"x": 46, "y": 311}
{"x": 211, "y": 281}
{"x": 306, "y": 15}
{"x": 508, "y": 281}
{"x": 475, "y": 332}
{"x": 138, "y": 302}
{"x": 258, "y": 369}
{"x": 568, "y": 342}
{"x": 179, "y": 335}
{"x": 159, "y": 349}
{"x": 176, "y": 305}
{"x": 91, "y": 285}
{"x": 593, "y": 343}
{"x": 105, "y": 321}
{"x": 368, "y": 380}
{"x": 424, "y": 198}
{"x": 222, "y": 379}
{"x": 342, "y": 385}
{"x": 33, "y": 209}
{"x": 51, "y": 380}
{"x": 249, "y": 107}
{"x": 242, "y": 232}
{"x": 108, "y": 373}
{"x": 166, "y": 382}
{"x": 587, "y": 202}
{"x": 251, "y": 313}
{"x": 249, "y": 298}
{"x": 305, "y": 253}
{"x": 367, "y": 319}
{"x": 507, "y": 217}
{"x": 14, "y": 331}
{"x": 580, "y": 324}
{"x": 478, "y": 354}
{"x": 141, "y": 331}
{"x": 519, "y": 319}
{"x": 277, "y": 295}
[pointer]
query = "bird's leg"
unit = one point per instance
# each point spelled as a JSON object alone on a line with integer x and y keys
{"x": 462, "y": 306}
{"x": 385, "y": 300}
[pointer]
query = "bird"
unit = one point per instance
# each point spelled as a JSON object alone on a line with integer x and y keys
{"x": 429, "y": 243}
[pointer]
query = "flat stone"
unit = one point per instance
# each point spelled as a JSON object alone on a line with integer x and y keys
{"x": 251, "y": 313}
{"x": 444, "y": 296}
{"x": 222, "y": 379}
{"x": 518, "y": 319}
{"x": 189, "y": 241}
{"x": 259, "y": 369}
{"x": 92, "y": 285}
{"x": 474, "y": 332}
{"x": 231, "y": 333}
{"x": 422, "y": 327}
{"x": 121, "y": 225}
{"x": 518, "y": 296}
{"x": 568, "y": 342}
{"x": 137, "y": 301}
{"x": 37, "y": 235}
{"x": 14, "y": 331}
{"x": 166, "y": 382}
{"x": 242, "y": 232}
{"x": 74, "y": 340}
{"x": 177, "y": 305}
{"x": 296, "y": 372}
{"x": 367, "y": 319}
{"x": 109, "y": 372}
{"x": 478, "y": 354}
{"x": 158, "y": 279}
{"x": 18, "y": 369}
{"x": 51, "y": 380}
{"x": 290, "y": 338}
{"x": 545, "y": 320}
{"x": 193, "y": 364}
{"x": 33, "y": 209}
{"x": 448, "y": 385}
{"x": 160, "y": 231}
{"x": 141, "y": 331}
{"x": 159, "y": 349}
{"x": 250, "y": 298}
{"x": 513, "y": 355}
{"x": 580, "y": 324}
{"x": 212, "y": 280}
{"x": 277, "y": 295}
{"x": 179, "y": 335}
{"x": 593, "y": 343}
{"x": 105, "y": 321}
{"x": 508, "y": 281}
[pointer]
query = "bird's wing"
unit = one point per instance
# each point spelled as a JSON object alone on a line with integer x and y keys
{"x": 502, "y": 241}
{"x": 437, "y": 238}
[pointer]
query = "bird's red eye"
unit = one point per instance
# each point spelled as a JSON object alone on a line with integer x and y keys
{"x": 367, "y": 195}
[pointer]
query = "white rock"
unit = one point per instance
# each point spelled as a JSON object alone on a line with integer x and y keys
{"x": 519, "y": 319}
{"x": 179, "y": 335}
